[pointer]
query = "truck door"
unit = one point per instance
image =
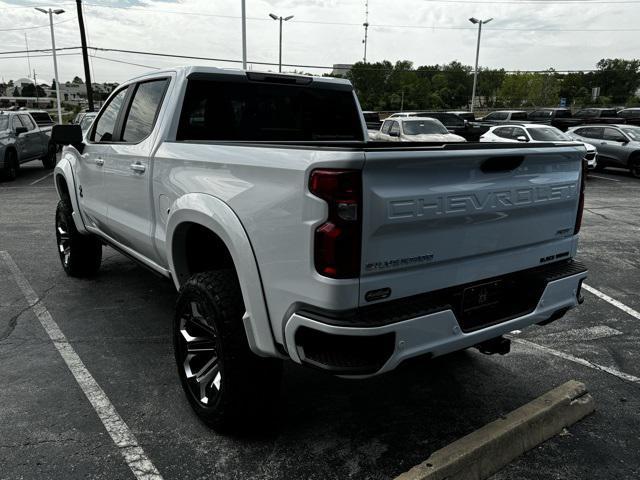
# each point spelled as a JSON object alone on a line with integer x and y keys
{"x": 33, "y": 142}
{"x": 128, "y": 173}
{"x": 21, "y": 139}
{"x": 99, "y": 147}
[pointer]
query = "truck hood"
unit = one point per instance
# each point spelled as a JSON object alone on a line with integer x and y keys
{"x": 433, "y": 137}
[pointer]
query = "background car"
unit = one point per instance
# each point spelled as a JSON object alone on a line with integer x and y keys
{"x": 537, "y": 133}
{"x": 504, "y": 116}
{"x": 618, "y": 145}
{"x": 631, "y": 116}
{"x": 415, "y": 129}
{"x": 561, "y": 118}
{"x": 598, "y": 115}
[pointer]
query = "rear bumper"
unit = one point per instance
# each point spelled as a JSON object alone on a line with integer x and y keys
{"x": 360, "y": 351}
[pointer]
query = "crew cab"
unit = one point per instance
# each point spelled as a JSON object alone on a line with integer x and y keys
{"x": 560, "y": 118}
{"x": 21, "y": 141}
{"x": 587, "y": 116}
{"x": 290, "y": 236}
{"x": 503, "y": 116}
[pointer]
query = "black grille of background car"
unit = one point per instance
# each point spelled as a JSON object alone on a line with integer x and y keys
{"x": 517, "y": 295}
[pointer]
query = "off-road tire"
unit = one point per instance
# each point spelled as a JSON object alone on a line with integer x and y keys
{"x": 49, "y": 160}
{"x": 11, "y": 166}
{"x": 237, "y": 393}
{"x": 80, "y": 255}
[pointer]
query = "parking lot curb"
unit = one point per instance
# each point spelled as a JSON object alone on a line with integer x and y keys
{"x": 490, "y": 448}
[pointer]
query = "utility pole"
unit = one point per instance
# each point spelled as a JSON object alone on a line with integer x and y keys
{"x": 475, "y": 74}
{"x": 244, "y": 36}
{"x": 85, "y": 56}
{"x": 366, "y": 28}
{"x": 51, "y": 13}
{"x": 35, "y": 82}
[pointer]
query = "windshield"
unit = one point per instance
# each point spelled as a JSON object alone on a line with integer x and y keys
{"x": 423, "y": 127}
{"x": 549, "y": 134}
{"x": 4, "y": 123}
{"x": 632, "y": 132}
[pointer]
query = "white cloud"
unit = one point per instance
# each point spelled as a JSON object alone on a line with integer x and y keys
{"x": 144, "y": 26}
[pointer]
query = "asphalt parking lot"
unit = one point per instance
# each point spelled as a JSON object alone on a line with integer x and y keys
{"x": 119, "y": 325}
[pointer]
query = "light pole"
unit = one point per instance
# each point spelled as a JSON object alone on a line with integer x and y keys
{"x": 55, "y": 61}
{"x": 244, "y": 36}
{"x": 281, "y": 19}
{"x": 475, "y": 73}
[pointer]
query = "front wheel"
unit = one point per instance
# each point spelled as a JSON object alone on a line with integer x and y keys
{"x": 229, "y": 387}
{"x": 49, "y": 161}
{"x": 80, "y": 255}
{"x": 11, "y": 165}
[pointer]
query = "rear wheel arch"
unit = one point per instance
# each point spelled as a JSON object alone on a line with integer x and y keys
{"x": 204, "y": 234}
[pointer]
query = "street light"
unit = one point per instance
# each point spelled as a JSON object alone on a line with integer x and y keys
{"x": 475, "y": 74}
{"x": 55, "y": 62}
{"x": 285, "y": 19}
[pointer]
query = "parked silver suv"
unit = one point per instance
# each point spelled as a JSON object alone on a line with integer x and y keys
{"x": 618, "y": 145}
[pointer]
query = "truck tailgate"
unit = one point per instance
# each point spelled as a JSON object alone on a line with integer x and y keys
{"x": 439, "y": 218}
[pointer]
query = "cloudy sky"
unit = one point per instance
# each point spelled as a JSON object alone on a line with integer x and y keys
{"x": 524, "y": 35}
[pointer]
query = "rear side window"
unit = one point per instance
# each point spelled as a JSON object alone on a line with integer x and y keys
{"x": 519, "y": 116}
{"x": 504, "y": 132}
{"x": 42, "y": 118}
{"x": 104, "y": 130}
{"x": 563, "y": 114}
{"x": 15, "y": 122}
{"x": 144, "y": 110}
{"x": 248, "y": 111}
{"x": 593, "y": 132}
{"x": 608, "y": 113}
{"x": 27, "y": 122}
{"x": 587, "y": 113}
{"x": 497, "y": 116}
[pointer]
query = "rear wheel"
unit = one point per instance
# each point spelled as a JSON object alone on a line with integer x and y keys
{"x": 228, "y": 386}
{"x": 49, "y": 161}
{"x": 634, "y": 166}
{"x": 80, "y": 255}
{"x": 11, "y": 165}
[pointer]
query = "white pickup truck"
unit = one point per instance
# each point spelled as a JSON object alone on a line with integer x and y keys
{"x": 290, "y": 236}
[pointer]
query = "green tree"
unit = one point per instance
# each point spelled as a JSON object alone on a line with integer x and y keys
{"x": 618, "y": 78}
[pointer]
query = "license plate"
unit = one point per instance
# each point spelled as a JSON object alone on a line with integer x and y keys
{"x": 484, "y": 295}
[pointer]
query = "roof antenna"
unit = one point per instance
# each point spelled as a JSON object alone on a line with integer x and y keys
{"x": 366, "y": 28}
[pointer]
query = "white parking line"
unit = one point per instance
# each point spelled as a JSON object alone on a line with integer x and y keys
{"x": 578, "y": 360}
{"x": 133, "y": 454}
{"x": 612, "y": 301}
{"x": 40, "y": 179}
{"x": 604, "y": 178}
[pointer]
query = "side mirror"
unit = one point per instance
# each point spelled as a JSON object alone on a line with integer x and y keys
{"x": 20, "y": 130}
{"x": 66, "y": 134}
{"x": 522, "y": 138}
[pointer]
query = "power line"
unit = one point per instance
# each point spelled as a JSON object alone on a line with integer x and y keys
{"x": 536, "y": 2}
{"x": 126, "y": 63}
{"x": 38, "y": 50}
{"x": 31, "y": 28}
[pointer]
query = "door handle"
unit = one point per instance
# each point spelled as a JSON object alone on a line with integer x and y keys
{"x": 99, "y": 162}
{"x": 138, "y": 167}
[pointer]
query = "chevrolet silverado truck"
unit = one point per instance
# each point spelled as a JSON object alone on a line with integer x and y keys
{"x": 290, "y": 236}
{"x": 21, "y": 141}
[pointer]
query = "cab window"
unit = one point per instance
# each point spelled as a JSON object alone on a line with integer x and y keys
{"x": 105, "y": 126}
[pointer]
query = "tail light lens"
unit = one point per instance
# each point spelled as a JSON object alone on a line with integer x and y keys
{"x": 337, "y": 241}
{"x": 583, "y": 178}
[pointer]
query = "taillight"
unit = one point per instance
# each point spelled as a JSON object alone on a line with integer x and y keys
{"x": 583, "y": 176}
{"x": 337, "y": 241}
